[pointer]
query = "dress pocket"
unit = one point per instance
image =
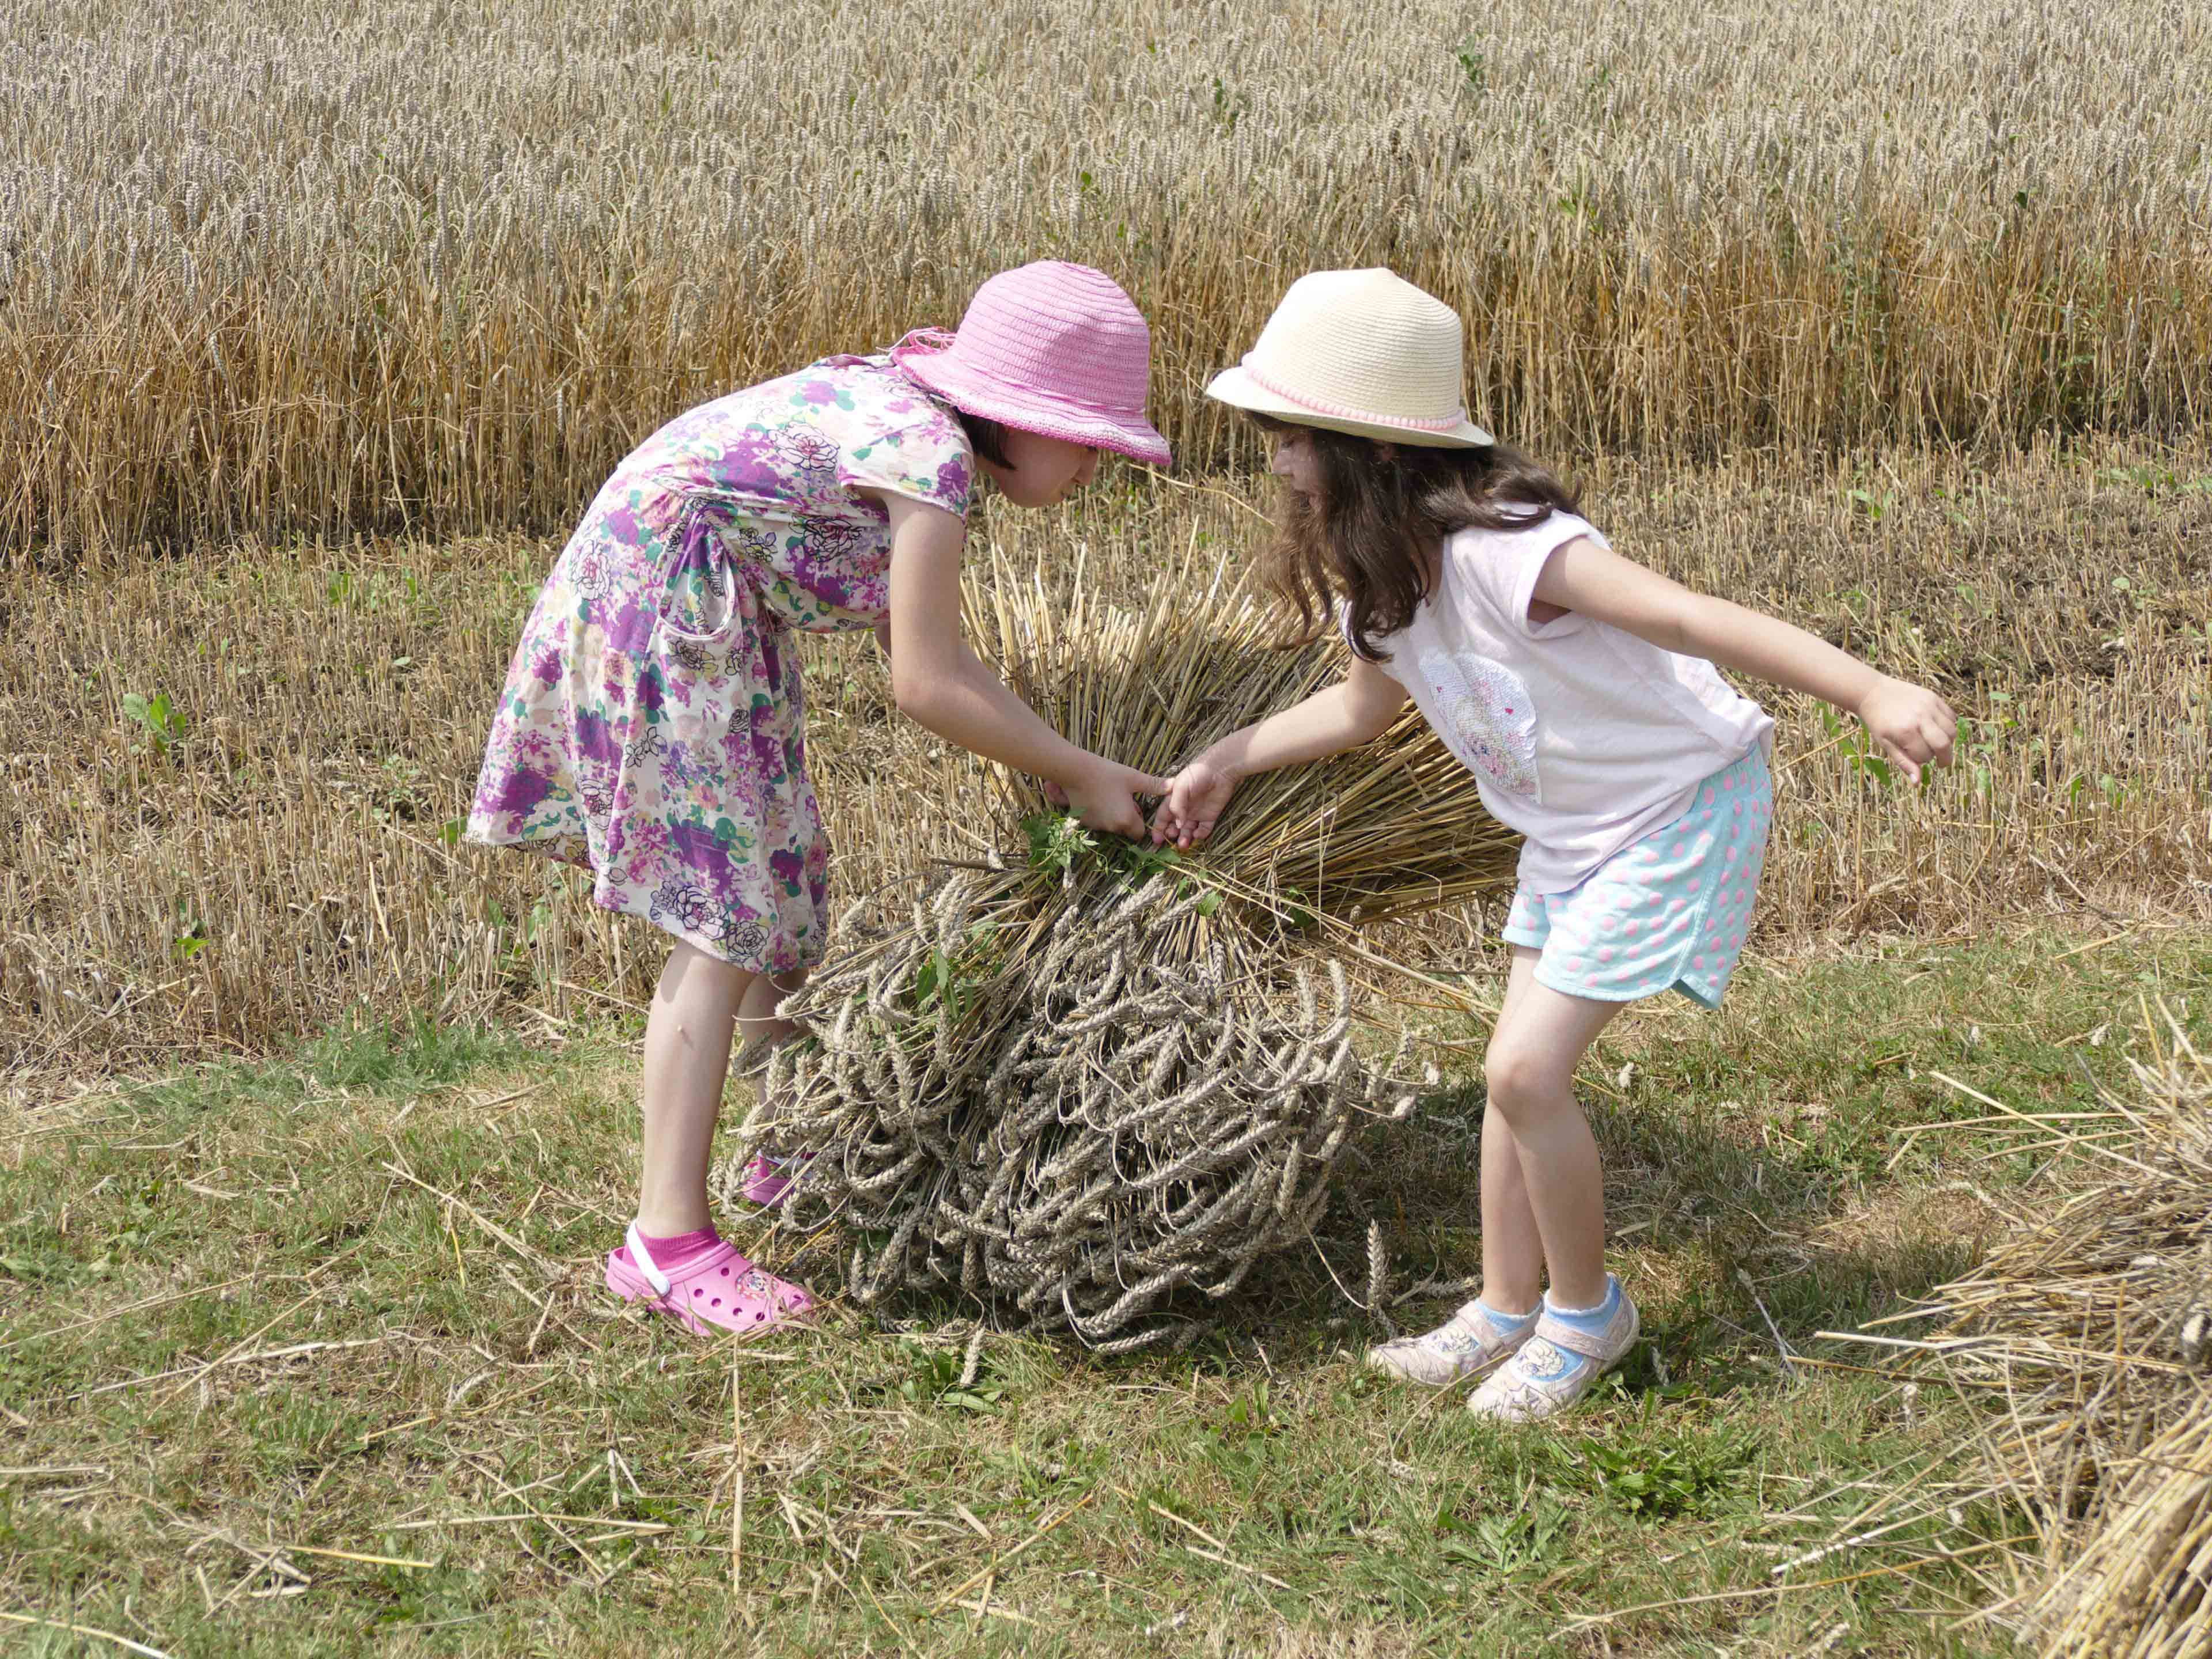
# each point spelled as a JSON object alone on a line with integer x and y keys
{"x": 698, "y": 584}
{"x": 1486, "y": 718}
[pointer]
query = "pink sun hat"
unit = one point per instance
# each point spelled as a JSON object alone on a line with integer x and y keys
{"x": 1050, "y": 348}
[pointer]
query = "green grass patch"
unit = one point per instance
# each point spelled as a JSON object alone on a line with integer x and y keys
{"x": 311, "y": 1356}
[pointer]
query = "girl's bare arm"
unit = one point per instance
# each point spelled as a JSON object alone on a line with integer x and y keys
{"x": 1913, "y": 726}
{"x": 1358, "y": 709}
{"x": 937, "y": 680}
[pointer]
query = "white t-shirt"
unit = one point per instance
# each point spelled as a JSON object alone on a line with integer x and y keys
{"x": 1581, "y": 736}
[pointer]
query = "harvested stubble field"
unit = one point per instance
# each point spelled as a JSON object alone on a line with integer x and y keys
{"x": 283, "y": 1336}
{"x": 237, "y": 778}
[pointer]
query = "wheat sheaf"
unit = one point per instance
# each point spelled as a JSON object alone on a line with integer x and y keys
{"x": 1080, "y": 1079}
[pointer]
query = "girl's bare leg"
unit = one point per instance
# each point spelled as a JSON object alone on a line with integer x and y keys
{"x": 687, "y": 1060}
{"x": 756, "y": 1020}
{"x": 1512, "y": 1250}
{"x": 1538, "y": 1040}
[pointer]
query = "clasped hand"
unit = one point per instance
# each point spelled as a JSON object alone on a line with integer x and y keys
{"x": 1103, "y": 796}
{"x": 1195, "y": 799}
{"x": 1910, "y": 724}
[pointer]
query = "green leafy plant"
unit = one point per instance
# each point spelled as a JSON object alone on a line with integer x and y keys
{"x": 2154, "y": 480}
{"x": 1239, "y": 1437}
{"x": 392, "y": 792}
{"x": 955, "y": 980}
{"x": 1229, "y": 107}
{"x": 1857, "y": 749}
{"x": 191, "y": 935}
{"x": 930, "y": 1376}
{"x": 160, "y": 718}
{"x": 1518, "y": 1543}
{"x": 1979, "y": 741}
{"x": 1871, "y": 506}
{"x": 1250, "y": 1415}
{"x": 1058, "y": 842}
{"x": 1658, "y": 1480}
{"x": 1474, "y": 65}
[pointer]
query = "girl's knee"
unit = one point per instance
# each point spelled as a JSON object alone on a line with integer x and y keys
{"x": 699, "y": 980}
{"x": 1520, "y": 1077}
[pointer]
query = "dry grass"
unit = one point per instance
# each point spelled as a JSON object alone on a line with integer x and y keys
{"x": 2085, "y": 1334}
{"x": 277, "y": 852}
{"x": 342, "y": 268}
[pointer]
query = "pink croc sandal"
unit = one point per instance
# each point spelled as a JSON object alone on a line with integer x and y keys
{"x": 714, "y": 1292}
{"x": 767, "y": 1179}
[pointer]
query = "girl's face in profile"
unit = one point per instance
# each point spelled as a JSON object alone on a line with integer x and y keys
{"x": 1295, "y": 462}
{"x": 1042, "y": 472}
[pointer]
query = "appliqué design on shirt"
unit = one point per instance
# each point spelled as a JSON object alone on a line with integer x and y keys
{"x": 1489, "y": 719}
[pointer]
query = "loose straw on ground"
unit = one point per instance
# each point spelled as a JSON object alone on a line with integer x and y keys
{"x": 737, "y": 1481}
{"x": 2092, "y": 1323}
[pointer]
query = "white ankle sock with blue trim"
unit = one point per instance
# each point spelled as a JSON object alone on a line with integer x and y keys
{"x": 1592, "y": 1320}
{"x": 1506, "y": 1321}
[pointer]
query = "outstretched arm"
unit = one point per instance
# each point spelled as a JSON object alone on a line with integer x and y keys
{"x": 1911, "y": 725}
{"x": 940, "y": 682}
{"x": 1357, "y": 709}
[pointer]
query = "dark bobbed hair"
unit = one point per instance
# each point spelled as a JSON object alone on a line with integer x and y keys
{"x": 986, "y": 437}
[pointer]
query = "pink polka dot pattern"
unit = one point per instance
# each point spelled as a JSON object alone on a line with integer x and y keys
{"x": 1671, "y": 911}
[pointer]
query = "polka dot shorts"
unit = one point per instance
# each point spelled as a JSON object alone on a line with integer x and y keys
{"x": 1669, "y": 910}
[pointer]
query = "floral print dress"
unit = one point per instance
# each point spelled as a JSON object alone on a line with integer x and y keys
{"x": 652, "y": 725}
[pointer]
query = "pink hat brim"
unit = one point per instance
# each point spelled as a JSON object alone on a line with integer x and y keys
{"x": 1031, "y": 411}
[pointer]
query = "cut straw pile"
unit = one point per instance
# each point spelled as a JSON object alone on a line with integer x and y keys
{"x": 1077, "y": 1076}
{"x": 2093, "y": 1324}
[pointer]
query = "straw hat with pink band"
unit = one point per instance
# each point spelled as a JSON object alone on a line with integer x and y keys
{"x": 1358, "y": 351}
{"x": 1050, "y": 348}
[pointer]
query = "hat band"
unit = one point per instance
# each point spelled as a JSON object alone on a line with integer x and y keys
{"x": 969, "y": 374}
{"x": 1345, "y": 412}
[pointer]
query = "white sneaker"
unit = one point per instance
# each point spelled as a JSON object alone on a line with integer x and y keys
{"x": 1558, "y": 1363}
{"x": 1473, "y": 1342}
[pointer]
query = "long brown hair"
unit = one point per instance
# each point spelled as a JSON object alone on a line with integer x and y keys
{"x": 1383, "y": 507}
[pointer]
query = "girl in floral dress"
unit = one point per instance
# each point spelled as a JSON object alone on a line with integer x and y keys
{"x": 652, "y": 725}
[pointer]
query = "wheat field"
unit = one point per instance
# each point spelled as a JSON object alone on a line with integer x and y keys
{"x": 432, "y": 267}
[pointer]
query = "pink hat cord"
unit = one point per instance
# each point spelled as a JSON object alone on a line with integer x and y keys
{"x": 922, "y": 341}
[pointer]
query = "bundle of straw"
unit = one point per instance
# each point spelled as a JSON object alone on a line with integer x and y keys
{"x": 1390, "y": 830}
{"x": 2091, "y": 1321}
{"x": 1080, "y": 1075}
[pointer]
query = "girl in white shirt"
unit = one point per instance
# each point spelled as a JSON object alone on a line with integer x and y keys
{"x": 1579, "y": 687}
